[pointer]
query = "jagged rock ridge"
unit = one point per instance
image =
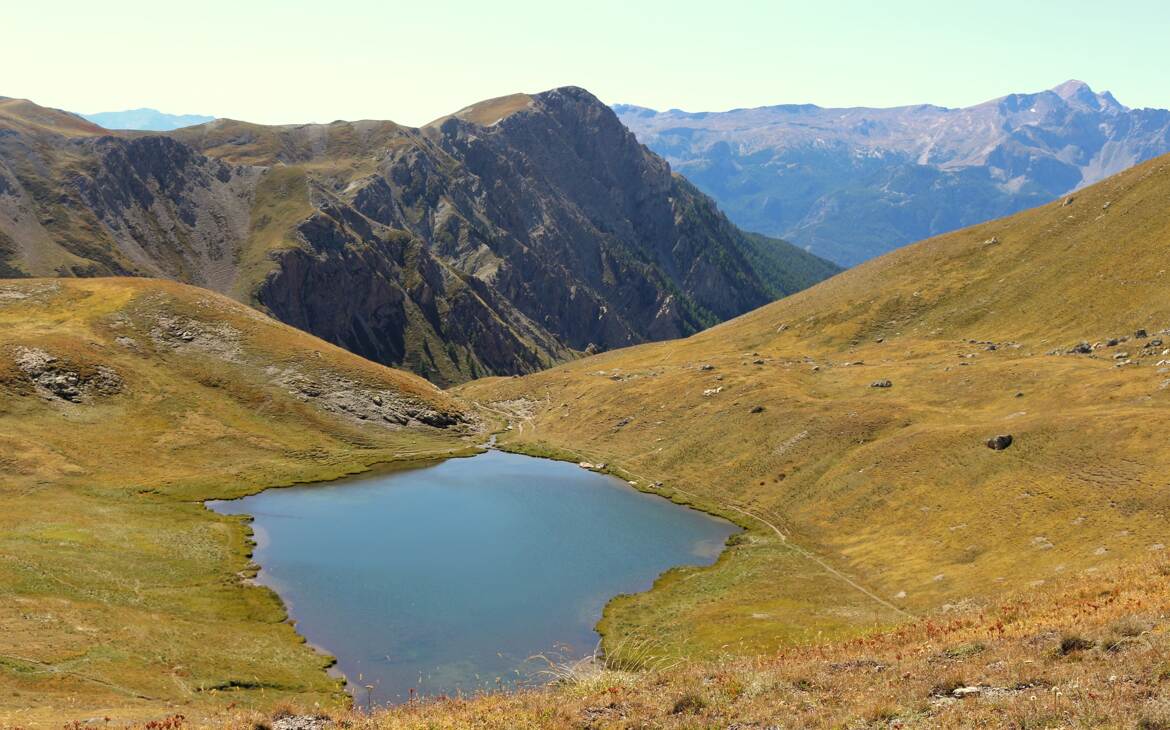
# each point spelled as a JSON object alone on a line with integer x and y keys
{"x": 500, "y": 239}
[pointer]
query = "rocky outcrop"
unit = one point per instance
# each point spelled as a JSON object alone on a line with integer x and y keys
{"x": 93, "y": 204}
{"x": 382, "y": 294}
{"x": 55, "y": 378}
{"x": 324, "y": 389}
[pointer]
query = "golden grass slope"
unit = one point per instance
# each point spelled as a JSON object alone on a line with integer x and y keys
{"x": 891, "y": 557}
{"x": 868, "y": 504}
{"x": 35, "y": 118}
{"x": 120, "y": 594}
{"x": 1090, "y": 651}
{"x": 490, "y": 111}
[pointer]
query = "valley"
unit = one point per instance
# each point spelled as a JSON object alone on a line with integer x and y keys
{"x": 947, "y": 462}
{"x": 846, "y": 426}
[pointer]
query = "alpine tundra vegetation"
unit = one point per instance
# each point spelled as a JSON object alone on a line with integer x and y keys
{"x": 887, "y": 550}
{"x": 550, "y": 412}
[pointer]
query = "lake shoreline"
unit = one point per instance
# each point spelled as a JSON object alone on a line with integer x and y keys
{"x": 392, "y": 467}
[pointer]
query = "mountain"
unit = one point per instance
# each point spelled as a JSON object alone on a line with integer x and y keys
{"x": 501, "y": 239}
{"x": 124, "y": 403}
{"x": 146, "y": 119}
{"x": 892, "y": 570}
{"x": 847, "y": 427}
{"x": 850, "y": 184}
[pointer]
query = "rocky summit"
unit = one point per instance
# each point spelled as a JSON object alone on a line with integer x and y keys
{"x": 854, "y": 183}
{"x": 504, "y": 238}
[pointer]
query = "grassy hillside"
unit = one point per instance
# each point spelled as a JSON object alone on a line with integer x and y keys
{"x": 25, "y": 115}
{"x": 123, "y": 404}
{"x": 872, "y": 505}
{"x": 490, "y": 111}
{"x": 890, "y": 556}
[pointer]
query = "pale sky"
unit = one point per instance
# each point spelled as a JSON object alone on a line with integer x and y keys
{"x": 295, "y": 61}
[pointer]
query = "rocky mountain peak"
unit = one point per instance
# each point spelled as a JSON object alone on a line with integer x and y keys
{"x": 853, "y": 183}
{"x": 1080, "y": 94}
{"x": 500, "y": 239}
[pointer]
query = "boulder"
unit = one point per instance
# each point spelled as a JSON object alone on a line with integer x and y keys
{"x": 881, "y": 384}
{"x": 757, "y": 409}
{"x": 1000, "y": 442}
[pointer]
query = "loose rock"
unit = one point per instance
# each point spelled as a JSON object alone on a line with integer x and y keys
{"x": 1000, "y": 442}
{"x": 56, "y": 378}
{"x": 301, "y": 722}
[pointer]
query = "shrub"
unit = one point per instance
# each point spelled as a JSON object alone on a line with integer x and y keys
{"x": 947, "y": 686}
{"x": 964, "y": 651}
{"x": 690, "y": 703}
{"x": 1155, "y": 715}
{"x": 1129, "y": 626}
{"x": 1071, "y": 643}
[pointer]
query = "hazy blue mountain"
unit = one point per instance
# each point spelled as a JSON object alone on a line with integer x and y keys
{"x": 850, "y": 184}
{"x": 147, "y": 119}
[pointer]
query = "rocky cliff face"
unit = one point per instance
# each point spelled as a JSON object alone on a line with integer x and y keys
{"x": 501, "y": 239}
{"x": 851, "y": 184}
{"x": 76, "y": 201}
{"x": 563, "y": 213}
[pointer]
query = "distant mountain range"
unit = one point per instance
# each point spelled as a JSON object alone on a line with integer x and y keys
{"x": 506, "y": 237}
{"x": 850, "y": 184}
{"x": 146, "y": 119}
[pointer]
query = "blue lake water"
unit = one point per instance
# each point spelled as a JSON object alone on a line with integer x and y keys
{"x": 449, "y": 577}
